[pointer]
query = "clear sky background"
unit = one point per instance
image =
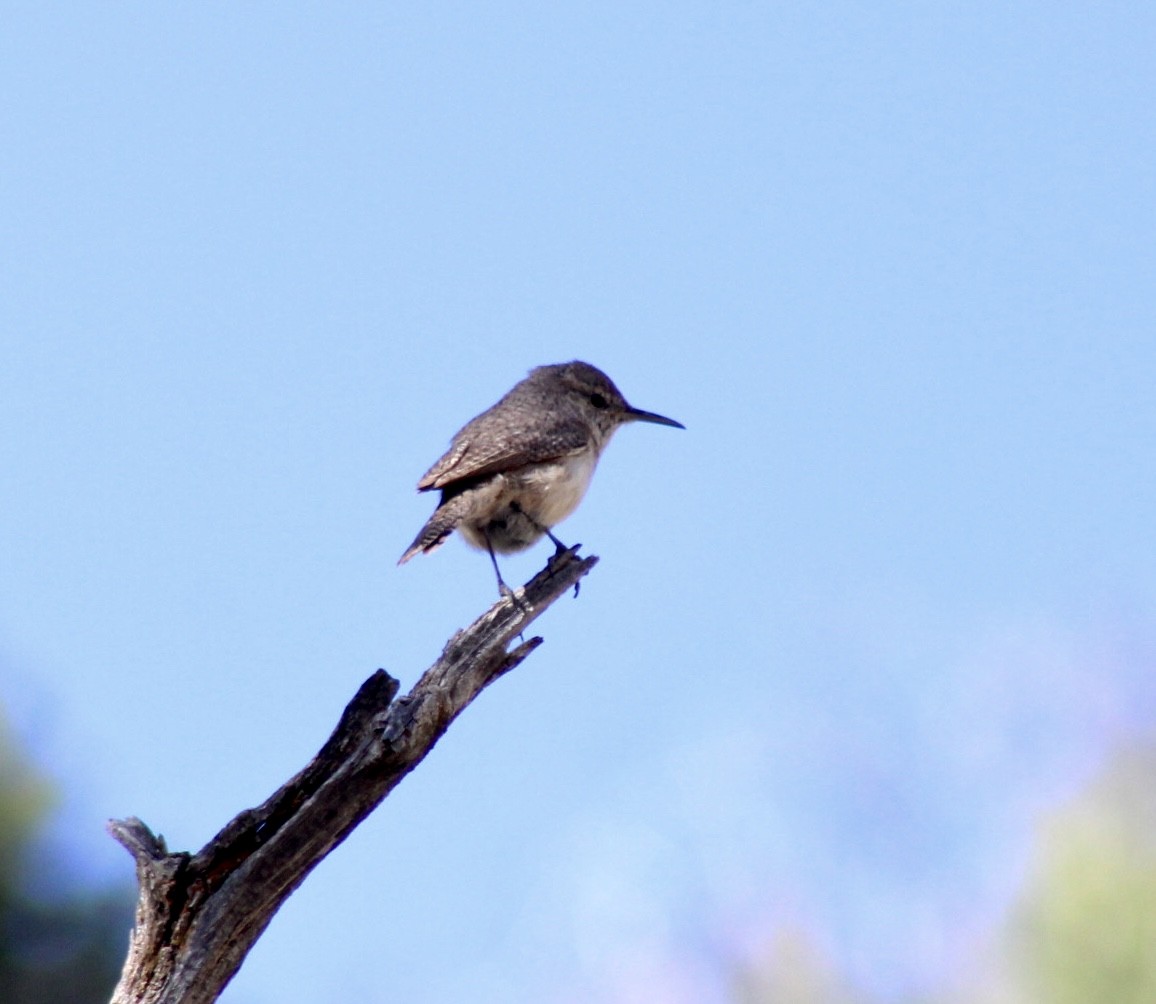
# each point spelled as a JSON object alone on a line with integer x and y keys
{"x": 887, "y": 599}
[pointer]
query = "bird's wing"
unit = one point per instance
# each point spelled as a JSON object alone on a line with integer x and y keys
{"x": 492, "y": 443}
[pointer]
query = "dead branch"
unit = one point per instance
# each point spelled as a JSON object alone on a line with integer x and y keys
{"x": 199, "y": 914}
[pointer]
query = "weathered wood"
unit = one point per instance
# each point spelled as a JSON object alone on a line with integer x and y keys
{"x": 199, "y": 914}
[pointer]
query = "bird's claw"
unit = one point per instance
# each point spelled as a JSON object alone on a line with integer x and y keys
{"x": 508, "y": 594}
{"x": 558, "y": 555}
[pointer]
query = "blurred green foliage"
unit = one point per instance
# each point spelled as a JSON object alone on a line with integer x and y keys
{"x": 1083, "y": 930}
{"x": 64, "y": 946}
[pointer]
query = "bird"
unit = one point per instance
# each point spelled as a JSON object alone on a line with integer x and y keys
{"x": 522, "y": 466}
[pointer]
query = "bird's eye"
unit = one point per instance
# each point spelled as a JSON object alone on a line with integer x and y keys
{"x": 599, "y": 401}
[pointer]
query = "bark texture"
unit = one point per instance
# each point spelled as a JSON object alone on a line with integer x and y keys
{"x": 199, "y": 914}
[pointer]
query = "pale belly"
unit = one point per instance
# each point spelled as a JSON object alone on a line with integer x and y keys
{"x": 521, "y": 506}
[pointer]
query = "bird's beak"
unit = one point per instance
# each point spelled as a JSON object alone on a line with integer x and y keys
{"x": 649, "y": 416}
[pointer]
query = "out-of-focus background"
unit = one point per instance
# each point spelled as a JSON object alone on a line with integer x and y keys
{"x": 860, "y": 704}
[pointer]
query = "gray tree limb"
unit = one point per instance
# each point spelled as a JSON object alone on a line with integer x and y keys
{"x": 199, "y": 914}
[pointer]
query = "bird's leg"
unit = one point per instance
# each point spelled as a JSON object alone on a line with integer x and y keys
{"x": 559, "y": 547}
{"x": 559, "y": 550}
{"x": 503, "y": 589}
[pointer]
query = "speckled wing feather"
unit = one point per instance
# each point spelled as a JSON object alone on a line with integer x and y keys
{"x": 520, "y": 429}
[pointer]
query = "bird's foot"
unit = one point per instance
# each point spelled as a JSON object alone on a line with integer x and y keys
{"x": 563, "y": 552}
{"x": 508, "y": 594}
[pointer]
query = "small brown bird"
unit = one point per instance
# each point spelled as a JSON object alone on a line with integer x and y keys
{"x": 521, "y": 467}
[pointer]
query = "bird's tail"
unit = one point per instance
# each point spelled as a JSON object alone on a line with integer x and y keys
{"x": 445, "y": 519}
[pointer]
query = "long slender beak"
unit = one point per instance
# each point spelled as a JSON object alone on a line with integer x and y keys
{"x": 638, "y": 415}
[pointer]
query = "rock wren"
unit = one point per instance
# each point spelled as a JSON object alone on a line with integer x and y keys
{"x": 522, "y": 467}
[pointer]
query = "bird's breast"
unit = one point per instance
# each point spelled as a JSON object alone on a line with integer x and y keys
{"x": 553, "y": 490}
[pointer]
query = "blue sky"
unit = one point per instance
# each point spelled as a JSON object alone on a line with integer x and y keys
{"x": 887, "y": 599}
